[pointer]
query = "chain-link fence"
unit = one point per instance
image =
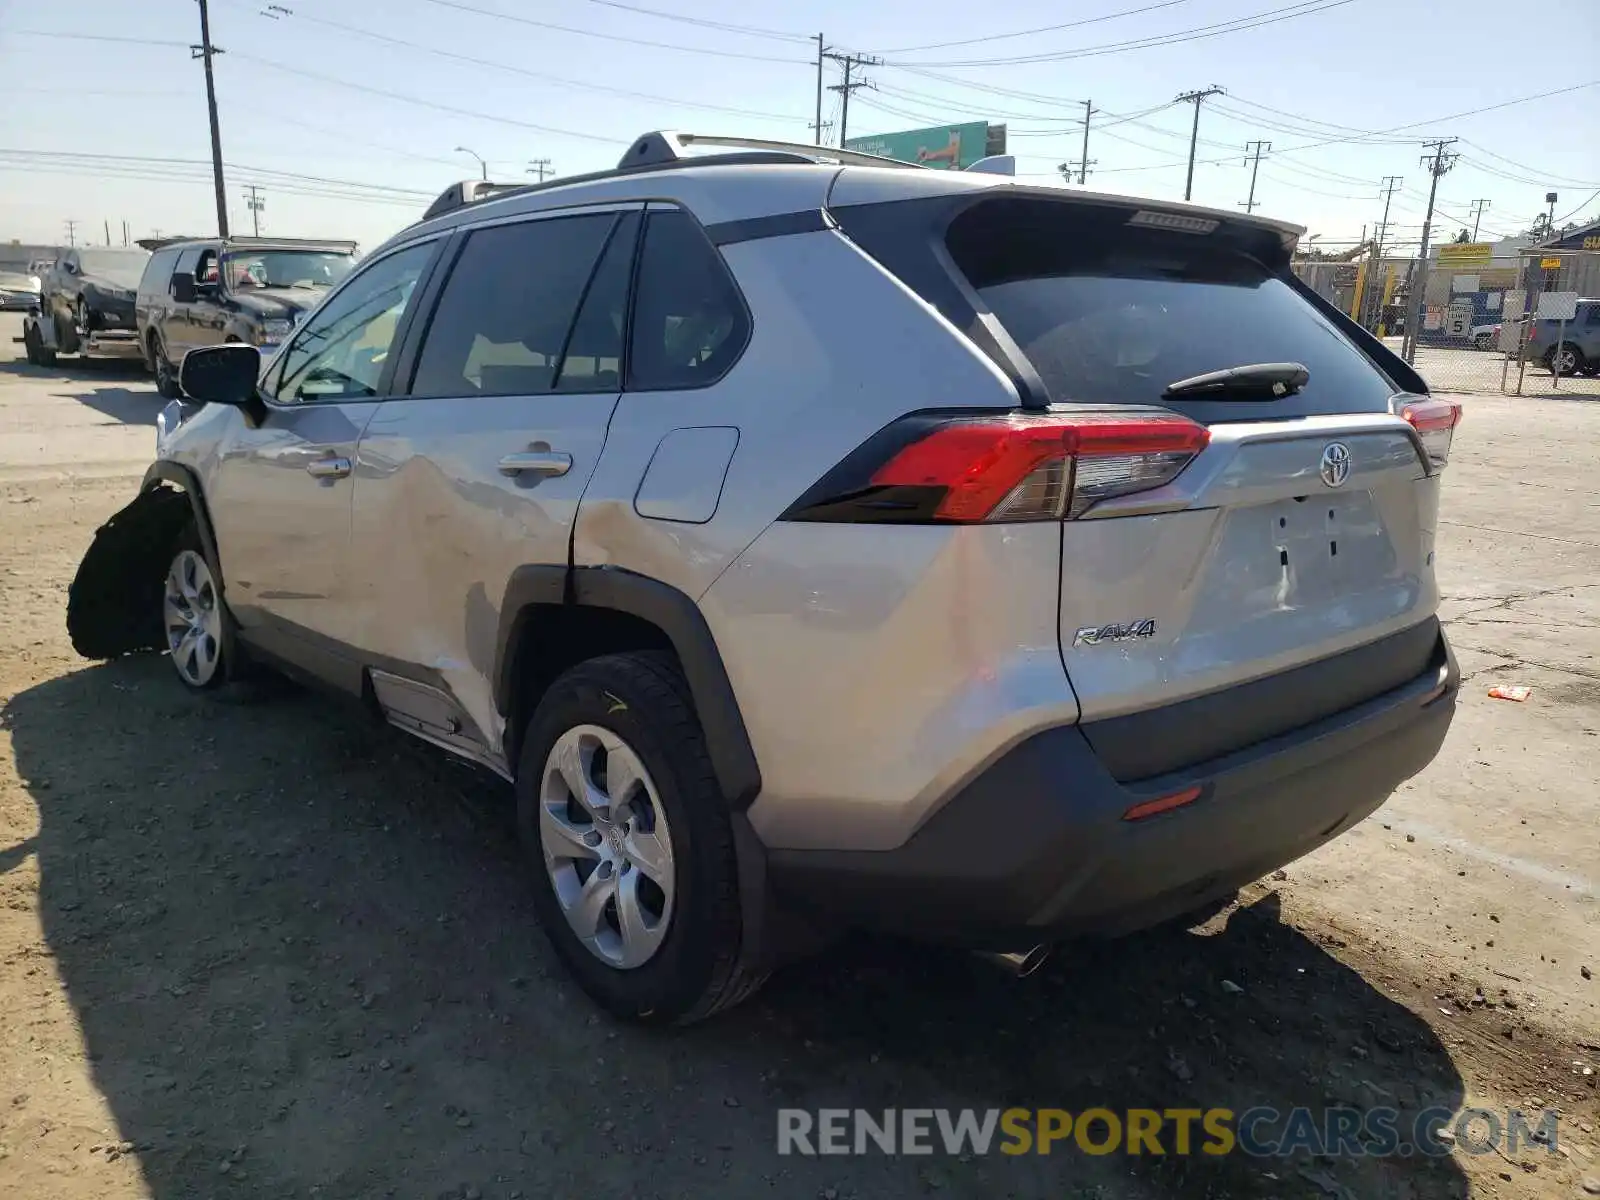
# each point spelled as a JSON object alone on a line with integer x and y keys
{"x": 1526, "y": 323}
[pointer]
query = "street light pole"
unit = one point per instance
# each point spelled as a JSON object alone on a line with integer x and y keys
{"x": 482, "y": 166}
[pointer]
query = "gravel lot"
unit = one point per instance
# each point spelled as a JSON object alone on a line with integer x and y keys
{"x": 269, "y": 948}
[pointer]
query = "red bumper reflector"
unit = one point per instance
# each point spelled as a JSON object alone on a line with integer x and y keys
{"x": 1149, "y": 808}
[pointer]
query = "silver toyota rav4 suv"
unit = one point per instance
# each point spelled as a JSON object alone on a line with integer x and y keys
{"x": 816, "y": 541}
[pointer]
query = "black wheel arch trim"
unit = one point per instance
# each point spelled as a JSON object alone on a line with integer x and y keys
{"x": 733, "y": 758}
{"x": 185, "y": 479}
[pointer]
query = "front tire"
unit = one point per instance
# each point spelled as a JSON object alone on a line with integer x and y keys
{"x": 628, "y": 836}
{"x": 193, "y": 618}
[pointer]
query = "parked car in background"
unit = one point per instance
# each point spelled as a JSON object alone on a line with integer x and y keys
{"x": 1483, "y": 337}
{"x": 215, "y": 290}
{"x": 1571, "y": 351}
{"x": 18, "y": 290}
{"x": 92, "y": 288}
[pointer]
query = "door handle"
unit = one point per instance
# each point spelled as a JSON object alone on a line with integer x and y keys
{"x": 536, "y": 462}
{"x": 329, "y": 468}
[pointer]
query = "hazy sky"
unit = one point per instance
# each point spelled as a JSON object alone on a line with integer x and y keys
{"x": 347, "y": 113}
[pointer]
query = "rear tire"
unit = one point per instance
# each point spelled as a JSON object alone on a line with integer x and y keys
{"x": 33, "y": 344}
{"x": 635, "y": 710}
{"x": 167, "y": 384}
{"x": 1565, "y": 359}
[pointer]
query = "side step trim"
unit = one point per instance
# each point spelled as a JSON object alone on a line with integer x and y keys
{"x": 432, "y": 714}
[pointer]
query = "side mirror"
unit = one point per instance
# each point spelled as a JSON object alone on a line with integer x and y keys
{"x": 183, "y": 287}
{"x": 223, "y": 374}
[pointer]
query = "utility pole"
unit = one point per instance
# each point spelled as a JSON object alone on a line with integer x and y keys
{"x": 1478, "y": 208}
{"x": 1255, "y": 150}
{"x": 1550, "y": 217}
{"x": 849, "y": 62}
{"x": 107, "y": 221}
{"x": 1083, "y": 162}
{"x": 256, "y": 205}
{"x": 206, "y": 51}
{"x": 1437, "y": 163}
{"x": 1391, "y": 185}
{"x": 72, "y": 232}
{"x": 822, "y": 54}
{"x": 124, "y": 233}
{"x": 541, "y": 167}
{"x": 1195, "y": 98}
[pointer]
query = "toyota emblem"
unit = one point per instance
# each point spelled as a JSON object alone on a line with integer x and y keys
{"x": 1335, "y": 464}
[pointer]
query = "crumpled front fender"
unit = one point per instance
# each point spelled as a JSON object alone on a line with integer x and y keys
{"x": 114, "y": 603}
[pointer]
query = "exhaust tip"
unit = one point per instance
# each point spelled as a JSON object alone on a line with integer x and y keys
{"x": 1020, "y": 964}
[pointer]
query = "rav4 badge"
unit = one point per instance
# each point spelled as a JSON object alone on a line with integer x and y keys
{"x": 1099, "y": 635}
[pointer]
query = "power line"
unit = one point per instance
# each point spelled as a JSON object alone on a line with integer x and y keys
{"x": 612, "y": 37}
{"x": 999, "y": 37}
{"x": 497, "y": 118}
{"x": 541, "y": 167}
{"x": 724, "y": 26}
{"x": 509, "y": 68}
{"x": 1269, "y": 16}
{"x": 1593, "y": 197}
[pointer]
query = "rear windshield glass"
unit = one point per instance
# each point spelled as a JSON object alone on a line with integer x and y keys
{"x": 1109, "y": 314}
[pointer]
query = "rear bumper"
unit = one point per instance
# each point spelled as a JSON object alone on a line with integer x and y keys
{"x": 1036, "y": 846}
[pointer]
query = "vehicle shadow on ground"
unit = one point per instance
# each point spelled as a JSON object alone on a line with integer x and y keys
{"x": 123, "y": 405}
{"x": 305, "y": 963}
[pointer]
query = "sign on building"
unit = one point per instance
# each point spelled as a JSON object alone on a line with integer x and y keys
{"x": 1457, "y": 256}
{"x": 945, "y": 147}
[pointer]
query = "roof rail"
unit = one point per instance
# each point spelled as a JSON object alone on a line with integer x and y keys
{"x": 468, "y": 191}
{"x": 666, "y": 147}
{"x": 659, "y": 151}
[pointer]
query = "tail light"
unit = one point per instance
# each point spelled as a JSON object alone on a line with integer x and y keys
{"x": 1435, "y": 422}
{"x": 942, "y": 467}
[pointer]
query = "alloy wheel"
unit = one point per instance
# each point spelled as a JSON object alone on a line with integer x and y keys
{"x": 192, "y": 616}
{"x": 607, "y": 846}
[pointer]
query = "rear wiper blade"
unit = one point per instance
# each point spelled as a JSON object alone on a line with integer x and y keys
{"x": 1275, "y": 379}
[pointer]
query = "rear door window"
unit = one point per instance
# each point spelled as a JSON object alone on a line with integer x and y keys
{"x": 503, "y": 320}
{"x": 1112, "y": 314}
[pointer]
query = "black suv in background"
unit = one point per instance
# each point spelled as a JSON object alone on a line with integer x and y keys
{"x": 242, "y": 289}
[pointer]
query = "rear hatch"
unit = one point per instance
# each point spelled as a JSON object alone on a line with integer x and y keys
{"x": 1286, "y": 522}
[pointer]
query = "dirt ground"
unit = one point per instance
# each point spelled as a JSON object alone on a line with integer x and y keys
{"x": 269, "y": 948}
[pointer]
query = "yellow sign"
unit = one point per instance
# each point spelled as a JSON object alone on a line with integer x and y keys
{"x": 1550, "y": 264}
{"x": 1590, "y": 242}
{"x": 1465, "y": 254}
